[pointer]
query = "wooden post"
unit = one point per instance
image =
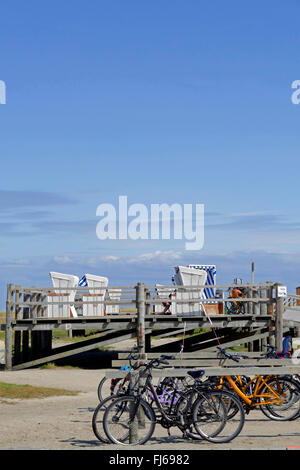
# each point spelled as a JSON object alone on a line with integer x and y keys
{"x": 279, "y": 321}
{"x": 25, "y": 334}
{"x": 140, "y": 304}
{"x": 247, "y": 294}
{"x": 270, "y": 310}
{"x": 250, "y": 304}
{"x": 255, "y": 311}
{"x": 263, "y": 311}
{"x": 8, "y": 327}
{"x": 17, "y": 352}
{"x": 255, "y": 307}
{"x": 35, "y": 335}
{"x": 133, "y": 427}
{"x": 148, "y": 307}
{"x": 263, "y": 305}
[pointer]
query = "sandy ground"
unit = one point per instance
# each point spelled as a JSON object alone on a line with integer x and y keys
{"x": 65, "y": 423}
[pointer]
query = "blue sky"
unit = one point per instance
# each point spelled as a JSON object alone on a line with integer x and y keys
{"x": 173, "y": 101}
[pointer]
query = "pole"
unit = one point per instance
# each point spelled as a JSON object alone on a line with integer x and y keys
{"x": 252, "y": 272}
{"x": 8, "y": 328}
{"x": 279, "y": 320}
{"x": 133, "y": 426}
{"x": 140, "y": 303}
{"x": 17, "y": 354}
{"x": 263, "y": 311}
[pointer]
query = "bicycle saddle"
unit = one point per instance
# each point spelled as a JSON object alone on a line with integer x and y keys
{"x": 196, "y": 374}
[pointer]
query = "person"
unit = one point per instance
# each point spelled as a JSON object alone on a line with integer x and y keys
{"x": 235, "y": 293}
{"x": 167, "y": 306}
{"x": 236, "y": 307}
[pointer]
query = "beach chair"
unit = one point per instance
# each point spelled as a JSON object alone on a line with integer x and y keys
{"x": 185, "y": 276}
{"x": 66, "y": 297}
{"x": 98, "y": 285}
{"x": 114, "y": 295}
{"x": 209, "y": 291}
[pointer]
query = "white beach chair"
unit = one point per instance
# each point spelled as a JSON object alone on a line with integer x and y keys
{"x": 185, "y": 276}
{"x": 209, "y": 291}
{"x": 114, "y": 295}
{"x": 62, "y": 309}
{"x": 98, "y": 286}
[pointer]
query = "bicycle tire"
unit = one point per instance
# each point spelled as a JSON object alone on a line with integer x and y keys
{"x": 97, "y": 419}
{"x": 218, "y": 402}
{"x": 120, "y": 431}
{"x": 289, "y": 390}
{"x": 209, "y": 415}
{"x": 103, "y": 390}
{"x": 109, "y": 387}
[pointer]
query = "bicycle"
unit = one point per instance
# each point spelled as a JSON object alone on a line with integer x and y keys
{"x": 285, "y": 353}
{"x": 235, "y": 415}
{"x": 235, "y": 307}
{"x": 276, "y": 396}
{"x": 115, "y": 386}
{"x": 164, "y": 394}
{"x": 131, "y": 420}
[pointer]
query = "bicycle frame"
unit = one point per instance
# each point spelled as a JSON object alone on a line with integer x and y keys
{"x": 250, "y": 399}
{"x": 148, "y": 387}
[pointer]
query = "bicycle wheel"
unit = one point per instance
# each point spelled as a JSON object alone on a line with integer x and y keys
{"x": 109, "y": 387}
{"x": 288, "y": 390}
{"x": 104, "y": 388}
{"x": 211, "y": 416}
{"x": 97, "y": 420}
{"x": 231, "y": 405}
{"x": 129, "y": 420}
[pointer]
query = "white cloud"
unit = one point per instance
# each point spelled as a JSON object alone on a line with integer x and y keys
{"x": 159, "y": 256}
{"x": 63, "y": 259}
{"x": 111, "y": 258}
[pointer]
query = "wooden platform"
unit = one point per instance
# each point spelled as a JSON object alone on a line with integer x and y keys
{"x": 28, "y": 325}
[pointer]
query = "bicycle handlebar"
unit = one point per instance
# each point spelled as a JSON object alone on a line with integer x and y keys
{"x": 155, "y": 362}
{"x": 234, "y": 357}
{"x": 271, "y": 351}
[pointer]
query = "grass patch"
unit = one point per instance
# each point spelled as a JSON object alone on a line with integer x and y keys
{"x": 53, "y": 365}
{"x": 13, "y": 391}
{"x": 239, "y": 348}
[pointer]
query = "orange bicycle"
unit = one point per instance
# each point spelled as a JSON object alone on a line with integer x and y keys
{"x": 278, "y": 397}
